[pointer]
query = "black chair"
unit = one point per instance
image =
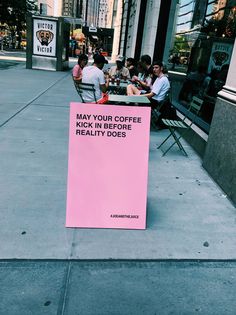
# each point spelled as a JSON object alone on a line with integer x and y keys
{"x": 155, "y": 113}
{"x": 159, "y": 109}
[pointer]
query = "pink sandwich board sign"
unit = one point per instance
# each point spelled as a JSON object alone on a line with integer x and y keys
{"x": 107, "y": 166}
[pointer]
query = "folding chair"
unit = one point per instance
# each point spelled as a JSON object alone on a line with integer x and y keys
{"x": 174, "y": 125}
{"x": 81, "y": 87}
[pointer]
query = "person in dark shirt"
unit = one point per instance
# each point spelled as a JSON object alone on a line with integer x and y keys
{"x": 131, "y": 65}
{"x": 192, "y": 85}
{"x": 147, "y": 60}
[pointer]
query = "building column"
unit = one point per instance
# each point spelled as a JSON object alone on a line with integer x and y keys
{"x": 161, "y": 31}
{"x": 132, "y": 29}
{"x": 117, "y": 29}
{"x": 220, "y": 156}
{"x": 171, "y": 30}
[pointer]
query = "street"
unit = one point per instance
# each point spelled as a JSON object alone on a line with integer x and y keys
{"x": 8, "y": 64}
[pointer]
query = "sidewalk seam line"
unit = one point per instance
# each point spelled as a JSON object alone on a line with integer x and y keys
{"x": 31, "y": 101}
{"x": 91, "y": 260}
{"x": 61, "y": 308}
{"x": 45, "y": 105}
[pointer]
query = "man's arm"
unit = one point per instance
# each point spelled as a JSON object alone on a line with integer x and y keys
{"x": 112, "y": 71}
{"x": 145, "y": 84}
{"x": 78, "y": 78}
{"x": 104, "y": 87}
{"x": 125, "y": 73}
{"x": 155, "y": 89}
{"x": 148, "y": 95}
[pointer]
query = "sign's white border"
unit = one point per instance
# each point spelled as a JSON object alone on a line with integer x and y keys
{"x": 44, "y": 37}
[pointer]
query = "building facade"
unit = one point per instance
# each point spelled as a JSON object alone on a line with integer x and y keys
{"x": 106, "y": 8}
{"x": 90, "y": 12}
{"x": 144, "y": 27}
{"x": 46, "y": 7}
{"x": 205, "y": 38}
{"x": 103, "y": 12}
{"x": 70, "y": 8}
{"x": 117, "y": 14}
{"x": 93, "y": 13}
{"x": 200, "y": 35}
{"x": 110, "y": 13}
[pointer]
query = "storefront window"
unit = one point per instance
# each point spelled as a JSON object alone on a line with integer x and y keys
{"x": 205, "y": 34}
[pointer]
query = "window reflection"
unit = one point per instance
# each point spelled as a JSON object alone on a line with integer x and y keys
{"x": 205, "y": 33}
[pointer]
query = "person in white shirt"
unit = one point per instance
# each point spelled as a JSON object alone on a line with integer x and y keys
{"x": 161, "y": 86}
{"x": 119, "y": 71}
{"x": 159, "y": 94}
{"x": 94, "y": 74}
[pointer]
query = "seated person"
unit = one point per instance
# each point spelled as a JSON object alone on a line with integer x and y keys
{"x": 94, "y": 74}
{"x": 131, "y": 66}
{"x": 141, "y": 83}
{"x": 212, "y": 84}
{"x": 77, "y": 70}
{"x": 119, "y": 71}
{"x": 147, "y": 60}
{"x": 192, "y": 85}
{"x": 205, "y": 85}
{"x": 161, "y": 86}
{"x": 159, "y": 95}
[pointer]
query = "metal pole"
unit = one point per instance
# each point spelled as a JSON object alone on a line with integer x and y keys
{"x": 1, "y": 43}
{"x": 86, "y": 14}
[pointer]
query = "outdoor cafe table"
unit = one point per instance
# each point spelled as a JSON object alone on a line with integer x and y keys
{"x": 124, "y": 99}
{"x": 113, "y": 88}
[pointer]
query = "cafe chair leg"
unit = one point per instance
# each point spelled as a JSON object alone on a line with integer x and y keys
{"x": 164, "y": 141}
{"x": 177, "y": 141}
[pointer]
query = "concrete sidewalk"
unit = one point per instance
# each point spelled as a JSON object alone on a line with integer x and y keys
{"x": 117, "y": 288}
{"x": 186, "y": 209}
{"x": 188, "y": 216}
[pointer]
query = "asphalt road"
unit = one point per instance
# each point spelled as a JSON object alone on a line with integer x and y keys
{"x": 6, "y": 64}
